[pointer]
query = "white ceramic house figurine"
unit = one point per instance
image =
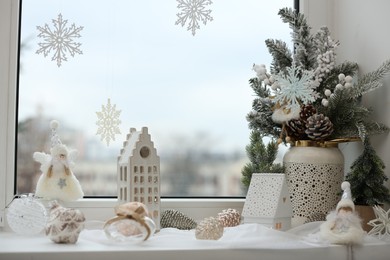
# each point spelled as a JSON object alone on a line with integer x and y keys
{"x": 139, "y": 173}
{"x": 268, "y": 201}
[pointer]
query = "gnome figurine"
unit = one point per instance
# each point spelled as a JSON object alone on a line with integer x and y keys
{"x": 57, "y": 180}
{"x": 343, "y": 225}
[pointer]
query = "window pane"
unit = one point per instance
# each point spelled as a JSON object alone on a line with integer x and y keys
{"x": 190, "y": 88}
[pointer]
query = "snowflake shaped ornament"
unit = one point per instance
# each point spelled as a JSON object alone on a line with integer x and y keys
{"x": 108, "y": 122}
{"x": 381, "y": 225}
{"x": 195, "y": 12}
{"x": 296, "y": 88}
{"x": 60, "y": 40}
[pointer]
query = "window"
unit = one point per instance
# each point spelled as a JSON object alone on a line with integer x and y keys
{"x": 191, "y": 91}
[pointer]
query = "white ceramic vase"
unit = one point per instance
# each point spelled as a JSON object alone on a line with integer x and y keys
{"x": 314, "y": 175}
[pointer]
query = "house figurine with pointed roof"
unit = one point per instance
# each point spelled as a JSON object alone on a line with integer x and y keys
{"x": 268, "y": 201}
{"x": 138, "y": 172}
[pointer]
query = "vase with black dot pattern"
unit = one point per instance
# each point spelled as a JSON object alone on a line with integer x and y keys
{"x": 314, "y": 173}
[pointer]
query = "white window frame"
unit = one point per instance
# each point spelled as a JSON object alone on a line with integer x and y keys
{"x": 94, "y": 209}
{"x": 9, "y": 24}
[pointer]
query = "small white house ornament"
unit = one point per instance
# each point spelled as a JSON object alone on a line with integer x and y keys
{"x": 138, "y": 173}
{"x": 268, "y": 201}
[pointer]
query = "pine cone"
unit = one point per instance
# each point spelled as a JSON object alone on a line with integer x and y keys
{"x": 318, "y": 127}
{"x": 296, "y": 127}
{"x": 175, "y": 219}
{"x": 306, "y": 112}
{"x": 209, "y": 229}
{"x": 229, "y": 217}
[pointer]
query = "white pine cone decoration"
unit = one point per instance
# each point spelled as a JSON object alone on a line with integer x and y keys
{"x": 209, "y": 229}
{"x": 175, "y": 219}
{"x": 229, "y": 217}
{"x": 64, "y": 225}
{"x": 318, "y": 127}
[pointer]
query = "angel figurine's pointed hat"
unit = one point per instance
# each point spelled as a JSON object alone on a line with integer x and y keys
{"x": 55, "y": 140}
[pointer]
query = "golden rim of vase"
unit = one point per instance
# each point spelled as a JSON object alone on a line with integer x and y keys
{"x": 310, "y": 143}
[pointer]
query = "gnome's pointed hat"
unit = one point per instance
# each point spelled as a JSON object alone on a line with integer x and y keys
{"x": 346, "y": 198}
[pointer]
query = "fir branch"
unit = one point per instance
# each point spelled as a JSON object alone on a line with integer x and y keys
{"x": 296, "y": 21}
{"x": 323, "y": 40}
{"x": 261, "y": 158}
{"x": 259, "y": 89}
{"x": 374, "y": 128}
{"x": 347, "y": 68}
{"x": 260, "y": 118}
{"x": 369, "y": 81}
{"x": 344, "y": 112}
{"x": 281, "y": 54}
{"x": 332, "y": 79}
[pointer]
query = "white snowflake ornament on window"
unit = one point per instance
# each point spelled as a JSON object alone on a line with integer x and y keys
{"x": 296, "y": 88}
{"x": 381, "y": 225}
{"x": 60, "y": 40}
{"x": 195, "y": 12}
{"x": 108, "y": 122}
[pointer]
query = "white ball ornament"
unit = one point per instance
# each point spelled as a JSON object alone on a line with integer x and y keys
{"x": 262, "y": 71}
{"x": 341, "y": 77}
{"x": 347, "y": 85}
{"x": 275, "y": 86}
{"x": 325, "y": 102}
{"x": 328, "y": 92}
{"x": 348, "y": 79}
{"x": 339, "y": 87}
{"x": 256, "y": 67}
{"x": 26, "y": 215}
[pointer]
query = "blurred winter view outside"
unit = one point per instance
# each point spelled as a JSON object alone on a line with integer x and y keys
{"x": 191, "y": 91}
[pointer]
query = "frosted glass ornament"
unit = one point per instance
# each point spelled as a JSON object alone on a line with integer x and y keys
{"x": 26, "y": 215}
{"x": 129, "y": 230}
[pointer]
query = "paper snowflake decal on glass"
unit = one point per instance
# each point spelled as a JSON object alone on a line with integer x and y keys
{"x": 381, "y": 225}
{"x": 108, "y": 122}
{"x": 295, "y": 88}
{"x": 193, "y": 11}
{"x": 60, "y": 40}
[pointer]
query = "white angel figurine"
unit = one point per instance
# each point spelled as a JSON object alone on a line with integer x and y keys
{"x": 343, "y": 225}
{"x": 57, "y": 180}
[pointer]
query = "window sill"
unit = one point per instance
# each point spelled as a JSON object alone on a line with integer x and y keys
{"x": 247, "y": 241}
